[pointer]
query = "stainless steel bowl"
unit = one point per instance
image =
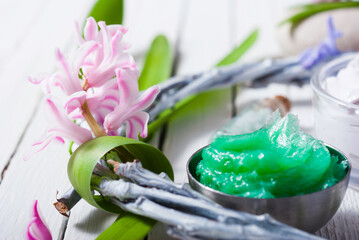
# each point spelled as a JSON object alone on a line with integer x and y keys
{"x": 308, "y": 212}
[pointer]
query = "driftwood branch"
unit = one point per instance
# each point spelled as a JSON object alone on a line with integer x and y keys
{"x": 144, "y": 193}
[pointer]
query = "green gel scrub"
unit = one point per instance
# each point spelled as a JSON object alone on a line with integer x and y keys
{"x": 278, "y": 160}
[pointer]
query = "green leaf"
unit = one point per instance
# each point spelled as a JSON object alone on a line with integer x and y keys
{"x": 191, "y": 101}
{"x": 237, "y": 53}
{"x": 158, "y": 63}
{"x": 84, "y": 159}
{"x": 309, "y": 10}
{"x": 127, "y": 226}
{"x": 110, "y": 11}
{"x": 82, "y": 163}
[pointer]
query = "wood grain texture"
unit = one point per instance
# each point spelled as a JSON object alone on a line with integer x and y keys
{"x": 204, "y": 41}
{"x": 27, "y": 55}
{"x": 24, "y": 182}
{"x": 344, "y": 224}
{"x": 202, "y": 31}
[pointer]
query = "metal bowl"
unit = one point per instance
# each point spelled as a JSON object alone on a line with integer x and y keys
{"x": 308, "y": 212}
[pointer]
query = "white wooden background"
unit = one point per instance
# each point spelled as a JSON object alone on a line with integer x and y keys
{"x": 201, "y": 32}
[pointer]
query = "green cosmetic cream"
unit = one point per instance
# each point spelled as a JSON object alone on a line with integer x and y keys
{"x": 278, "y": 160}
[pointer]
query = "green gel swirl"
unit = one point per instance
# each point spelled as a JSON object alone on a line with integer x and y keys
{"x": 278, "y": 160}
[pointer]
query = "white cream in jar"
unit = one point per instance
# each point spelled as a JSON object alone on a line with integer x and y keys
{"x": 345, "y": 86}
{"x": 336, "y": 108}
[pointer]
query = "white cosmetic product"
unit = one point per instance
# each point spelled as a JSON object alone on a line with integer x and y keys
{"x": 345, "y": 86}
{"x": 336, "y": 109}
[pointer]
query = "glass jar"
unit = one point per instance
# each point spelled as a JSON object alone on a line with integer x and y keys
{"x": 336, "y": 121}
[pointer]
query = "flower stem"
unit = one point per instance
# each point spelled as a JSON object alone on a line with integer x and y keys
{"x": 96, "y": 129}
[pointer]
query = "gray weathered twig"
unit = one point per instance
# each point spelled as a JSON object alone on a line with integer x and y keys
{"x": 145, "y": 193}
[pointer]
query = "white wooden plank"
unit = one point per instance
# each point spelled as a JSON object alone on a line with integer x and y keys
{"x": 344, "y": 224}
{"x": 145, "y": 20}
{"x": 16, "y": 21}
{"x": 259, "y": 14}
{"x": 38, "y": 178}
{"x": 205, "y": 40}
{"x": 34, "y": 54}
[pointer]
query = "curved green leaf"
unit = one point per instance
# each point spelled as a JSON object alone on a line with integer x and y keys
{"x": 309, "y": 10}
{"x": 110, "y": 11}
{"x": 237, "y": 53}
{"x": 84, "y": 159}
{"x": 158, "y": 63}
{"x": 81, "y": 165}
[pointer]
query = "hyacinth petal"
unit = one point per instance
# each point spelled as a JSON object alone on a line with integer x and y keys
{"x": 75, "y": 134}
{"x": 41, "y": 145}
{"x": 114, "y": 119}
{"x": 132, "y": 112}
{"x": 142, "y": 119}
{"x": 78, "y": 33}
{"x": 37, "y": 230}
{"x": 100, "y": 77}
{"x": 115, "y": 44}
{"x": 127, "y": 84}
{"x": 147, "y": 98}
{"x": 105, "y": 39}
{"x": 28, "y": 233}
{"x": 82, "y": 53}
{"x": 109, "y": 55}
{"x": 131, "y": 129}
{"x": 35, "y": 81}
{"x": 115, "y": 28}
{"x": 91, "y": 29}
{"x": 63, "y": 124}
{"x": 75, "y": 101}
{"x": 126, "y": 46}
{"x": 137, "y": 123}
{"x": 63, "y": 64}
{"x": 69, "y": 81}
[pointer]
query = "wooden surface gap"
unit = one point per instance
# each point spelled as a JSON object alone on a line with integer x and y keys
{"x": 176, "y": 61}
{"x": 182, "y": 21}
{"x": 7, "y": 164}
{"x": 182, "y": 17}
{"x": 232, "y": 22}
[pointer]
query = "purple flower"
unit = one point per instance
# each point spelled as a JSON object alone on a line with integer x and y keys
{"x": 325, "y": 49}
{"x": 37, "y": 230}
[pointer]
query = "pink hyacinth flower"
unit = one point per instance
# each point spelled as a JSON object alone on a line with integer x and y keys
{"x": 63, "y": 128}
{"x": 130, "y": 109}
{"x": 37, "y": 229}
{"x": 101, "y": 101}
{"x": 67, "y": 77}
{"x": 110, "y": 54}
